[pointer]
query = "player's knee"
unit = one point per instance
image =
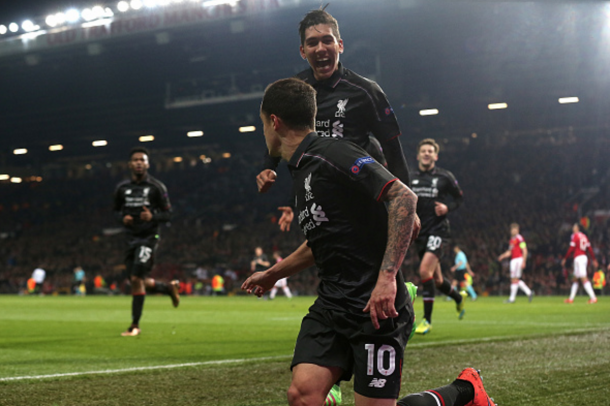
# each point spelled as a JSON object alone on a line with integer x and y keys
{"x": 438, "y": 279}
{"x": 299, "y": 395}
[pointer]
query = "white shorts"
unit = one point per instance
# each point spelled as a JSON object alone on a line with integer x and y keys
{"x": 580, "y": 266}
{"x": 282, "y": 283}
{"x": 515, "y": 268}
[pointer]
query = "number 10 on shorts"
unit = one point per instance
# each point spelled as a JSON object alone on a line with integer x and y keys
{"x": 370, "y": 370}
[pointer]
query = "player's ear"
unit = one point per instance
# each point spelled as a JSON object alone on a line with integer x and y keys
{"x": 276, "y": 122}
{"x": 341, "y": 48}
{"x": 302, "y": 51}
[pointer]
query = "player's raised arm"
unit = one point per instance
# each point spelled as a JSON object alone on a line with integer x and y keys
{"x": 403, "y": 227}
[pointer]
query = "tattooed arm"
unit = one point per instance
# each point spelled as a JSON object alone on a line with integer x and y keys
{"x": 403, "y": 227}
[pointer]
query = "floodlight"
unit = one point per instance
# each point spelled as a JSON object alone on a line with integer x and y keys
{"x": 87, "y": 14}
{"x": 99, "y": 143}
{"x": 247, "y": 129}
{"x": 98, "y": 11}
{"x": 108, "y": 12}
{"x": 568, "y": 100}
{"x": 150, "y": 3}
{"x": 226, "y": 155}
{"x": 147, "y": 138}
{"x": 60, "y": 18}
{"x": 163, "y": 2}
{"x": 72, "y": 15}
{"x": 20, "y": 151}
{"x": 13, "y": 27}
{"x": 3, "y": 29}
{"x": 193, "y": 134}
{"x": 56, "y": 147}
{"x": 16, "y": 180}
{"x": 428, "y": 112}
{"x": 136, "y": 4}
{"x": 4, "y": 176}
{"x": 27, "y": 25}
{"x": 51, "y": 20}
{"x": 123, "y": 6}
{"x": 178, "y": 159}
{"x": 497, "y": 106}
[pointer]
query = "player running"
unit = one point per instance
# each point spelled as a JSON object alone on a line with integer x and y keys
{"x": 579, "y": 247}
{"x": 517, "y": 251}
{"x": 141, "y": 203}
{"x": 438, "y": 194}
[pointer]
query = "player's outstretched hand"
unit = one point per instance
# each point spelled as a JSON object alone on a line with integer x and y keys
{"x": 258, "y": 283}
{"x": 381, "y": 304}
{"x": 286, "y": 219}
{"x": 145, "y": 215}
{"x": 127, "y": 220}
{"x": 265, "y": 180}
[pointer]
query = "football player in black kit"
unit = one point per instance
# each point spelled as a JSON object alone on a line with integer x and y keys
{"x": 438, "y": 194}
{"x": 360, "y": 322}
{"x": 350, "y": 106}
{"x": 141, "y": 203}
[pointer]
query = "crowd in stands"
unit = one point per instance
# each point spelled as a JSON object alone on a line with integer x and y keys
{"x": 219, "y": 218}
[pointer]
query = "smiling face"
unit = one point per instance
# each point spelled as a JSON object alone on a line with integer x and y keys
{"x": 322, "y": 48}
{"x": 427, "y": 156}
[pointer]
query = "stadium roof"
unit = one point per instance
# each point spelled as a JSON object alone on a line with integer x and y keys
{"x": 454, "y": 57}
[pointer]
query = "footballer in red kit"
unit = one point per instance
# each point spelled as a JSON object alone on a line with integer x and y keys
{"x": 579, "y": 247}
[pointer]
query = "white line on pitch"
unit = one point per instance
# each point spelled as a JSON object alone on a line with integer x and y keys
{"x": 244, "y": 360}
{"x": 114, "y": 371}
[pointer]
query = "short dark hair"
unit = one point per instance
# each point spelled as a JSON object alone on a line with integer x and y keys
{"x": 292, "y": 100}
{"x": 315, "y": 17}
{"x": 429, "y": 141}
{"x": 138, "y": 149}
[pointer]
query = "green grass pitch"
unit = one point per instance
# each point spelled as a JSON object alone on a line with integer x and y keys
{"x": 236, "y": 351}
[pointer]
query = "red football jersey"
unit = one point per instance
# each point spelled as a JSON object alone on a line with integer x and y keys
{"x": 580, "y": 245}
{"x": 515, "y": 246}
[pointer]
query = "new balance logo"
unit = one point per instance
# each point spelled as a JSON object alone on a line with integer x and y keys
{"x": 377, "y": 383}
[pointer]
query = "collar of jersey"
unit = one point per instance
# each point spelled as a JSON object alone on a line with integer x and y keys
{"x": 331, "y": 82}
{"x": 145, "y": 179}
{"x": 430, "y": 171}
{"x": 298, "y": 154}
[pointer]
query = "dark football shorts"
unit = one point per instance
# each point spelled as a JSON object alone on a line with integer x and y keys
{"x": 430, "y": 243}
{"x": 460, "y": 275}
{"x": 139, "y": 257}
{"x": 374, "y": 357}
